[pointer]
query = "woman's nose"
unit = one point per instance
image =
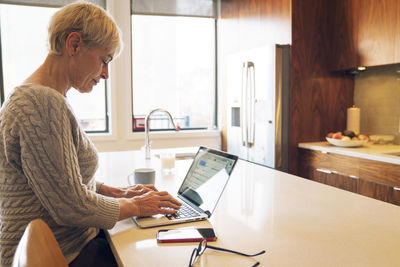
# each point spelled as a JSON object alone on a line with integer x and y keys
{"x": 104, "y": 73}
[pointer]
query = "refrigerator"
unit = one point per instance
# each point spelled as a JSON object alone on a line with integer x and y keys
{"x": 258, "y": 105}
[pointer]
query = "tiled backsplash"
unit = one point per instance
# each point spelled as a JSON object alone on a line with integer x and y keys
{"x": 377, "y": 94}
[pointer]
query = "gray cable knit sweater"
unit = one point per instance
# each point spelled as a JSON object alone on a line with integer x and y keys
{"x": 47, "y": 167}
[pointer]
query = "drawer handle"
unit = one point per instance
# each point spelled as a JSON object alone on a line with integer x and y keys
{"x": 324, "y": 171}
{"x": 355, "y": 177}
{"x": 396, "y": 188}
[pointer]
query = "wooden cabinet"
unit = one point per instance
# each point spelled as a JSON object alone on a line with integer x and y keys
{"x": 395, "y": 195}
{"x": 370, "y": 178}
{"x": 335, "y": 179}
{"x": 319, "y": 98}
{"x": 364, "y": 32}
{"x": 375, "y": 190}
{"x": 377, "y": 33}
{"x": 342, "y": 26}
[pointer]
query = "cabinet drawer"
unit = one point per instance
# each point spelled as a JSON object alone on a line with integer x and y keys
{"x": 371, "y": 170}
{"x": 374, "y": 190}
{"x": 370, "y": 178}
{"x": 334, "y": 162}
{"x": 395, "y": 196}
{"x": 382, "y": 192}
{"x": 380, "y": 172}
{"x": 327, "y": 177}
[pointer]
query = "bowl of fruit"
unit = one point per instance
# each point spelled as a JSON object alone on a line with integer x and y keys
{"x": 347, "y": 138}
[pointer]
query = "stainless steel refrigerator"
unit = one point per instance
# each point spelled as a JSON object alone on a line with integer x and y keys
{"x": 258, "y": 105}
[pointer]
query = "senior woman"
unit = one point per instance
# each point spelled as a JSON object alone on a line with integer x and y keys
{"x": 47, "y": 163}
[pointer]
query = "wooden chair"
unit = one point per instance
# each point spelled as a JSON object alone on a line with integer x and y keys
{"x": 38, "y": 247}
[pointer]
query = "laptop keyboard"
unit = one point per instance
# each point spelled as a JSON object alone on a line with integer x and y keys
{"x": 184, "y": 212}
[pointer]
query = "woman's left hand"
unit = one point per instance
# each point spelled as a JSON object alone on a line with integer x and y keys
{"x": 137, "y": 190}
{"x": 126, "y": 192}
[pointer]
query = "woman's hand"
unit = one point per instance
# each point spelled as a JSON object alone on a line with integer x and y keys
{"x": 136, "y": 190}
{"x": 126, "y": 192}
{"x": 148, "y": 204}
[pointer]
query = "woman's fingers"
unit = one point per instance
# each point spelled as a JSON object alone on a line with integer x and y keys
{"x": 153, "y": 203}
{"x": 169, "y": 204}
{"x": 136, "y": 190}
{"x": 146, "y": 189}
{"x": 150, "y": 187}
{"x": 164, "y": 210}
{"x": 165, "y": 196}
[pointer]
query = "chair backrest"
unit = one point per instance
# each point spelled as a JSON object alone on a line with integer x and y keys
{"x": 38, "y": 247}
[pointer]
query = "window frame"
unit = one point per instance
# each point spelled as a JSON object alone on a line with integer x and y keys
{"x": 120, "y": 136}
{"x": 107, "y": 129}
{"x": 2, "y": 97}
{"x": 215, "y": 116}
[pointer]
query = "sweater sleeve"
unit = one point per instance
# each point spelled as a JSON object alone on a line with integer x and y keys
{"x": 50, "y": 163}
{"x": 98, "y": 185}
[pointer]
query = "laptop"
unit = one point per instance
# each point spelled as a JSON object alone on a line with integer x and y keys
{"x": 200, "y": 190}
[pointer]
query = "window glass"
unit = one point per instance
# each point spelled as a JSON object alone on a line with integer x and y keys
{"x": 23, "y": 32}
{"x": 173, "y": 68}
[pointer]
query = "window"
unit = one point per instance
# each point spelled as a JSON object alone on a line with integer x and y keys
{"x": 23, "y": 32}
{"x": 174, "y": 68}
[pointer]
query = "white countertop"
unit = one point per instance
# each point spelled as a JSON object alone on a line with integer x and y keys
{"x": 297, "y": 221}
{"x": 367, "y": 151}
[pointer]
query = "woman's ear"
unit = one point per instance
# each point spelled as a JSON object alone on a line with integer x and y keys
{"x": 73, "y": 43}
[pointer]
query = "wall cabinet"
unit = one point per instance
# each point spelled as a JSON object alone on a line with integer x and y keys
{"x": 370, "y": 178}
{"x": 364, "y": 33}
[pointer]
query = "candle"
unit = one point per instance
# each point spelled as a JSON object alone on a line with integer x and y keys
{"x": 353, "y": 119}
{"x": 167, "y": 160}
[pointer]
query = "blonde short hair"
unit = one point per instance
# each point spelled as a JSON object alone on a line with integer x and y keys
{"x": 96, "y": 26}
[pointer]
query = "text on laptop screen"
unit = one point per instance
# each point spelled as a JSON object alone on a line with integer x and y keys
{"x": 206, "y": 179}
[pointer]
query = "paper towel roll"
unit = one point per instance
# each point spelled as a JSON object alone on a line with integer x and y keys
{"x": 353, "y": 119}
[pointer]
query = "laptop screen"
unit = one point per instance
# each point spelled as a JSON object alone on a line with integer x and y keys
{"x": 207, "y": 177}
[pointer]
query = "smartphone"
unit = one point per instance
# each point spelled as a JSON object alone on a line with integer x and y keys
{"x": 185, "y": 235}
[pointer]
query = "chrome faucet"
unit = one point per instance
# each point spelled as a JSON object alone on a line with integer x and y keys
{"x": 147, "y": 143}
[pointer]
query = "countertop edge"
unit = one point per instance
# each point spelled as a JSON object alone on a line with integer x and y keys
{"x": 369, "y": 151}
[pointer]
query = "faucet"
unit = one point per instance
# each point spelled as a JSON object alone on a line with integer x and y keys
{"x": 147, "y": 143}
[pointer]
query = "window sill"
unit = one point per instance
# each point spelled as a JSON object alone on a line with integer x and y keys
{"x": 169, "y": 139}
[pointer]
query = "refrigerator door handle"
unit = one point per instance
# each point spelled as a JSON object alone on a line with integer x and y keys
{"x": 243, "y": 105}
{"x": 247, "y": 110}
{"x": 251, "y": 104}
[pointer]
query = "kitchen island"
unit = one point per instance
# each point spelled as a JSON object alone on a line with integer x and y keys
{"x": 298, "y": 222}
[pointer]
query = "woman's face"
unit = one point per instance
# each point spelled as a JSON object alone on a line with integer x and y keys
{"x": 91, "y": 65}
